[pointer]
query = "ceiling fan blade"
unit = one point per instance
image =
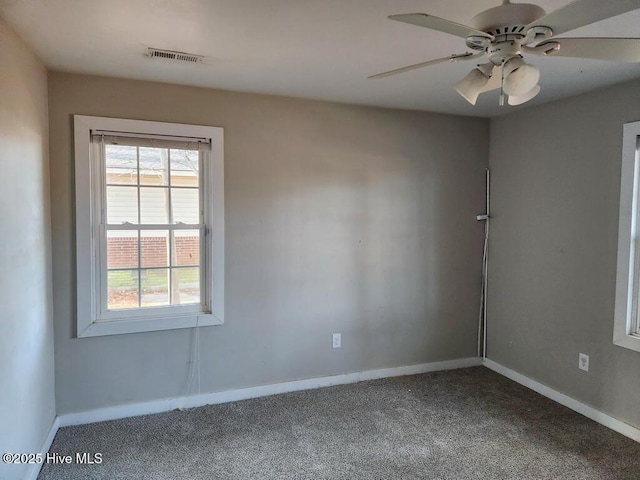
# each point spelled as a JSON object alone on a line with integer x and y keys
{"x": 452, "y": 58}
{"x": 440, "y": 24}
{"x": 615, "y": 49}
{"x": 583, "y": 12}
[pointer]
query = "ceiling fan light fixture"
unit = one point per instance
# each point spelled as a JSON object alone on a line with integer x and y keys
{"x": 504, "y": 33}
{"x": 519, "y": 100}
{"x": 471, "y": 86}
{"x": 519, "y": 77}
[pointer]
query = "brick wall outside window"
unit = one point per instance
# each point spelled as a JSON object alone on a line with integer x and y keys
{"x": 122, "y": 252}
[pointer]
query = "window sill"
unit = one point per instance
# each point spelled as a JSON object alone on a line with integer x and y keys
{"x": 120, "y": 327}
{"x": 632, "y": 342}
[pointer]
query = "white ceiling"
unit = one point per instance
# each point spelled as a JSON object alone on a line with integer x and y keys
{"x": 321, "y": 49}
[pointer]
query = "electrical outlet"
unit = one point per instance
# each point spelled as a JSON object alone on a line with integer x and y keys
{"x": 583, "y": 362}
{"x": 337, "y": 340}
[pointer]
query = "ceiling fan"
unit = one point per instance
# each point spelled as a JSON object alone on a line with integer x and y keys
{"x": 503, "y": 34}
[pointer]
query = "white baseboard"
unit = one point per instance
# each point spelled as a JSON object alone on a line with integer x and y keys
{"x": 165, "y": 405}
{"x": 34, "y": 471}
{"x": 575, "y": 405}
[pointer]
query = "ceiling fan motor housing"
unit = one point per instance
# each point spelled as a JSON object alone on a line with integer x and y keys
{"x": 502, "y": 51}
{"x": 507, "y": 18}
{"x": 507, "y": 24}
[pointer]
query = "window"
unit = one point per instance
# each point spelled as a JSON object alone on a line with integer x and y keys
{"x": 627, "y": 311}
{"x": 149, "y": 225}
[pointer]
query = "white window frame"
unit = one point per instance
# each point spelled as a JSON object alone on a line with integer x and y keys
{"x": 627, "y": 303}
{"x": 88, "y": 180}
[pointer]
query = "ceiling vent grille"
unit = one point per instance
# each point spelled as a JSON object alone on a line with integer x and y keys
{"x": 178, "y": 56}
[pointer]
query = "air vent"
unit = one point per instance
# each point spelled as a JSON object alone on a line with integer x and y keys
{"x": 177, "y": 56}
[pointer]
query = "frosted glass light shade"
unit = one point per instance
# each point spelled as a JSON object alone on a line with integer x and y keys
{"x": 470, "y": 87}
{"x": 519, "y": 78}
{"x": 519, "y": 100}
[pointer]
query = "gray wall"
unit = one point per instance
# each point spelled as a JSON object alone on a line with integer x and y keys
{"x": 27, "y": 405}
{"x": 555, "y": 197}
{"x": 339, "y": 219}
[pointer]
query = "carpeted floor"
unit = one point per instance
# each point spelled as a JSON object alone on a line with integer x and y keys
{"x": 457, "y": 425}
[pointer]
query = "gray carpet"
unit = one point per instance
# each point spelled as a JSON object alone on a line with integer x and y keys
{"x": 458, "y": 425}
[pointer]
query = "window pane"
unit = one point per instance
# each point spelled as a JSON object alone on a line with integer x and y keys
{"x": 122, "y": 164}
{"x": 186, "y": 286}
{"x": 185, "y": 203}
{"x": 155, "y": 287}
{"x": 186, "y": 248}
{"x": 154, "y": 246}
{"x": 154, "y": 166}
{"x": 122, "y": 205}
{"x": 154, "y": 205}
{"x": 122, "y": 249}
{"x": 122, "y": 287}
{"x": 184, "y": 168}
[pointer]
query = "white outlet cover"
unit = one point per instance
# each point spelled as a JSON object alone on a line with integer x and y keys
{"x": 583, "y": 362}
{"x": 337, "y": 340}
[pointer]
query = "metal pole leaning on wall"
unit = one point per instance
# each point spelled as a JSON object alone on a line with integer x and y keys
{"x": 482, "y": 320}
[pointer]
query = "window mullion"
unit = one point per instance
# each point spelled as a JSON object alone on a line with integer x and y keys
{"x": 139, "y": 270}
{"x": 127, "y": 269}
{"x": 203, "y": 193}
{"x": 154, "y": 226}
{"x": 170, "y": 232}
{"x": 101, "y": 173}
{"x": 635, "y": 243}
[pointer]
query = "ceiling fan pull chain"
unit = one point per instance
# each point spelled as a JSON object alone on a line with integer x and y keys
{"x": 501, "y": 101}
